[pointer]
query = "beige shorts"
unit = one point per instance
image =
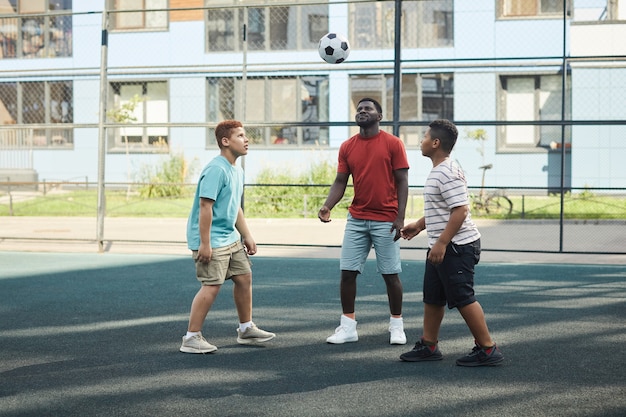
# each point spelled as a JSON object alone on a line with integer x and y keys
{"x": 225, "y": 262}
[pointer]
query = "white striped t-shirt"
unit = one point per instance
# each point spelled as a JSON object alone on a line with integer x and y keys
{"x": 445, "y": 189}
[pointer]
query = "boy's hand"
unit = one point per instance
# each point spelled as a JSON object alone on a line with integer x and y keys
{"x": 409, "y": 231}
{"x": 250, "y": 245}
{"x": 437, "y": 252}
{"x": 204, "y": 253}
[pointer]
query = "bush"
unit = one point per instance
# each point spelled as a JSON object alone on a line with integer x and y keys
{"x": 166, "y": 179}
{"x": 303, "y": 196}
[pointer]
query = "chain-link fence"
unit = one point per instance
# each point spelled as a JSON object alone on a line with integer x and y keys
{"x": 130, "y": 95}
{"x": 517, "y": 220}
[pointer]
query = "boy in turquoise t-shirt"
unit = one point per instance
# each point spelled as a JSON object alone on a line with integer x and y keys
{"x": 214, "y": 227}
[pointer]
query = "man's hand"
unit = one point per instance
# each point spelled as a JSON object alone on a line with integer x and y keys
{"x": 397, "y": 226}
{"x": 324, "y": 214}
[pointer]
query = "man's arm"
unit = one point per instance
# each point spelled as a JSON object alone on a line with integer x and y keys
{"x": 401, "y": 177}
{"x": 337, "y": 190}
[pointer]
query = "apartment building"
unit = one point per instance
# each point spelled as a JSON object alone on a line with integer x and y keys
{"x": 536, "y": 92}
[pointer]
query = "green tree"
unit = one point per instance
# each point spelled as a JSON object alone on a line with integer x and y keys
{"x": 126, "y": 114}
{"x": 479, "y": 135}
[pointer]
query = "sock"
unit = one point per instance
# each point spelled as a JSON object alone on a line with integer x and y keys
{"x": 397, "y": 321}
{"x": 343, "y": 315}
{"x": 487, "y": 349}
{"x": 190, "y": 334}
{"x": 244, "y": 326}
{"x": 427, "y": 343}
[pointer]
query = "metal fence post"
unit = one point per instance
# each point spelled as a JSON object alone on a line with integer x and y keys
{"x": 102, "y": 132}
{"x": 10, "y": 196}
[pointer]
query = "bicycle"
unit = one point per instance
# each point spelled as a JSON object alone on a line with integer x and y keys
{"x": 494, "y": 202}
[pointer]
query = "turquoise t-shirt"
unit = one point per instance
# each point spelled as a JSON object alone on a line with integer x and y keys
{"x": 223, "y": 183}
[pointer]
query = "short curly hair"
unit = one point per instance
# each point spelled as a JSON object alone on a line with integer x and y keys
{"x": 377, "y": 105}
{"x": 224, "y": 130}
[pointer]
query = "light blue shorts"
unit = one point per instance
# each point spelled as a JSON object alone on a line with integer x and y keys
{"x": 358, "y": 239}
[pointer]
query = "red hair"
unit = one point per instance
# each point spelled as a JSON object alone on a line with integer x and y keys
{"x": 224, "y": 130}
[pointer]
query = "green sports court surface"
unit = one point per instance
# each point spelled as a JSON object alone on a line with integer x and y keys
{"x": 98, "y": 335}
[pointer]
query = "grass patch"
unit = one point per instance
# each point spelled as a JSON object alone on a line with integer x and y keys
{"x": 85, "y": 204}
{"x": 294, "y": 201}
{"x": 575, "y": 206}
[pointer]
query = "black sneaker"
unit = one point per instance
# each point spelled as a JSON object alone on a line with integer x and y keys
{"x": 481, "y": 356}
{"x": 422, "y": 352}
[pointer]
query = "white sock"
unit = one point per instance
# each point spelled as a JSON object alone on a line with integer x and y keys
{"x": 244, "y": 326}
{"x": 397, "y": 321}
{"x": 191, "y": 334}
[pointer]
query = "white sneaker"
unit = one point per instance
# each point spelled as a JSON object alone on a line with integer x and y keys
{"x": 253, "y": 336}
{"x": 197, "y": 344}
{"x": 396, "y": 333}
{"x": 346, "y": 332}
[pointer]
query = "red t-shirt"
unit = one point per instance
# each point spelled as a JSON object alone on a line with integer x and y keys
{"x": 371, "y": 163}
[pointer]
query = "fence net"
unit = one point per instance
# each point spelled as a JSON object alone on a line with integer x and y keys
{"x": 547, "y": 114}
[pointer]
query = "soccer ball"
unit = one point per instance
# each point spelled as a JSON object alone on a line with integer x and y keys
{"x": 334, "y": 48}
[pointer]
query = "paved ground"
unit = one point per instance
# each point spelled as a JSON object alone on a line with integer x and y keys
{"x": 88, "y": 334}
{"x": 310, "y": 238}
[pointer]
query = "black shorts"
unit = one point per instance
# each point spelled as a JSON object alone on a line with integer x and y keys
{"x": 452, "y": 281}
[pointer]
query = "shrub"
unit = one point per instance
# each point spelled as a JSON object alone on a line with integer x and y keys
{"x": 166, "y": 179}
{"x": 303, "y": 196}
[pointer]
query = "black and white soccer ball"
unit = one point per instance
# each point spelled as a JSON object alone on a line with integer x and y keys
{"x": 334, "y": 48}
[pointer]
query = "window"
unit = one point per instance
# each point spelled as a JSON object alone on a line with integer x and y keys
{"x": 221, "y": 30}
{"x": 290, "y": 102}
{"x": 600, "y": 10}
{"x": 425, "y": 24}
{"x": 531, "y": 98}
{"x": 28, "y": 105}
{"x": 437, "y": 101}
{"x": 267, "y": 28}
{"x": 40, "y": 29}
{"x": 141, "y": 18}
{"x": 139, "y": 103}
{"x": 531, "y": 8}
{"x": 423, "y": 97}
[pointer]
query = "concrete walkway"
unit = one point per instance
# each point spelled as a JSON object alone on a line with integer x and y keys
{"x": 503, "y": 241}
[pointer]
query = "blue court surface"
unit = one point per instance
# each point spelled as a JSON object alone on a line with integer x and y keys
{"x": 98, "y": 335}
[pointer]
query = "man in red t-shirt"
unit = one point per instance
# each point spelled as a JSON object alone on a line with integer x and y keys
{"x": 378, "y": 164}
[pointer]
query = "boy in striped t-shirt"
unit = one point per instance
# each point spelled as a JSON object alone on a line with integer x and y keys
{"x": 454, "y": 249}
